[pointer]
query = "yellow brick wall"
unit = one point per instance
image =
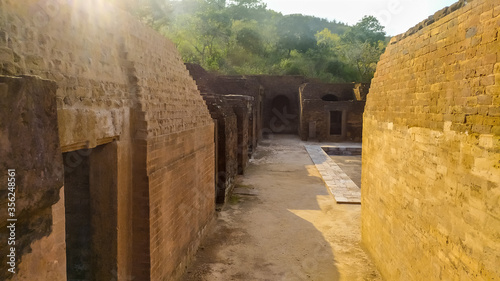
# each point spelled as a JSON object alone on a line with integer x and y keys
{"x": 431, "y": 151}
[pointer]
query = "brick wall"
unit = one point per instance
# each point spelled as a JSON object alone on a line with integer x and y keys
{"x": 29, "y": 144}
{"x": 315, "y": 111}
{"x": 280, "y": 92}
{"x": 226, "y": 143}
{"x": 119, "y": 81}
{"x": 236, "y": 103}
{"x": 230, "y": 86}
{"x": 245, "y": 86}
{"x": 431, "y": 149}
{"x": 242, "y": 107}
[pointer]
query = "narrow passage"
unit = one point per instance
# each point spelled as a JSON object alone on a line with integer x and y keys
{"x": 283, "y": 225}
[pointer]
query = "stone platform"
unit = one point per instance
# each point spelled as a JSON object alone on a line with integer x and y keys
{"x": 343, "y": 189}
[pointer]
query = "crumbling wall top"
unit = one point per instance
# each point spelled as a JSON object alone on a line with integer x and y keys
{"x": 431, "y": 19}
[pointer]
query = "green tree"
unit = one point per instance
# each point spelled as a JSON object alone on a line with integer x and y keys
{"x": 202, "y": 34}
{"x": 362, "y": 46}
{"x": 368, "y": 29}
{"x": 244, "y": 37}
{"x": 364, "y": 57}
{"x": 250, "y": 4}
{"x": 294, "y": 33}
{"x": 250, "y": 40}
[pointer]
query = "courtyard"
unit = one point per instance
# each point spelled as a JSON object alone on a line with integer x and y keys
{"x": 282, "y": 223}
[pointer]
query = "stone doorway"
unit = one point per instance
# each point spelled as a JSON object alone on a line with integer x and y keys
{"x": 90, "y": 199}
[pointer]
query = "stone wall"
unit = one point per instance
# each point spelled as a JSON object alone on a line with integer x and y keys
{"x": 431, "y": 150}
{"x": 121, "y": 83}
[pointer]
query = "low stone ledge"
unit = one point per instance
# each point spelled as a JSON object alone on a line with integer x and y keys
{"x": 343, "y": 189}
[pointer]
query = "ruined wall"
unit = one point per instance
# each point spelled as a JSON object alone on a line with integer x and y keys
{"x": 234, "y": 85}
{"x": 361, "y": 90}
{"x": 29, "y": 144}
{"x": 228, "y": 127}
{"x": 119, "y": 81}
{"x": 317, "y": 100}
{"x": 281, "y": 105}
{"x": 341, "y": 91}
{"x": 242, "y": 107}
{"x": 431, "y": 149}
{"x": 226, "y": 142}
{"x": 246, "y": 86}
{"x": 240, "y": 97}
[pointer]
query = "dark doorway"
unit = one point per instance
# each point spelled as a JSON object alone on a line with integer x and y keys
{"x": 335, "y": 122}
{"x": 90, "y": 200}
{"x": 77, "y": 204}
{"x": 283, "y": 116}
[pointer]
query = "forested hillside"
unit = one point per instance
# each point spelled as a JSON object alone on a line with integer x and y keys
{"x": 244, "y": 37}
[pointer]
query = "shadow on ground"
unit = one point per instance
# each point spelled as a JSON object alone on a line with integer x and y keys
{"x": 291, "y": 229}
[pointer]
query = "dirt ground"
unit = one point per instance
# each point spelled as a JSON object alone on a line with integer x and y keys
{"x": 290, "y": 228}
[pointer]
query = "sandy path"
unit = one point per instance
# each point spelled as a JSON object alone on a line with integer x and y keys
{"x": 291, "y": 230}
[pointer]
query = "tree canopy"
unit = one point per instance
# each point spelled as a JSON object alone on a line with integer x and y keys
{"x": 244, "y": 37}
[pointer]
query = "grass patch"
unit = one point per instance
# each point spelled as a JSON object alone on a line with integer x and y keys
{"x": 235, "y": 199}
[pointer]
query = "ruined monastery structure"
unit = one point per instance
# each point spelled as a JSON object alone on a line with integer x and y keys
{"x": 121, "y": 152}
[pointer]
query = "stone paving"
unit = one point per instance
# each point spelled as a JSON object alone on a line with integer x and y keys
{"x": 343, "y": 189}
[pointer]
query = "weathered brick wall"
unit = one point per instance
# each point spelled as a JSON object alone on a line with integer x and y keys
{"x": 180, "y": 154}
{"x": 120, "y": 81}
{"x": 230, "y": 155}
{"x": 29, "y": 144}
{"x": 431, "y": 150}
{"x": 242, "y": 107}
{"x": 230, "y": 86}
{"x": 228, "y": 96}
{"x": 318, "y": 111}
{"x": 361, "y": 90}
{"x": 181, "y": 199}
{"x": 281, "y": 90}
{"x": 314, "y": 109}
{"x": 246, "y": 86}
{"x": 229, "y": 126}
{"x": 342, "y": 91}
{"x": 226, "y": 142}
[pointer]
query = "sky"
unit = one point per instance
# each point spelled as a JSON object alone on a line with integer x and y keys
{"x": 396, "y": 15}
